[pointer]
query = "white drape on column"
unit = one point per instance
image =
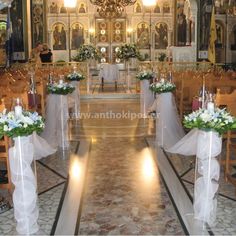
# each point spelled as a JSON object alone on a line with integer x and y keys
{"x": 25, "y": 193}
{"x": 146, "y": 97}
{"x": 41, "y": 147}
{"x": 209, "y": 145}
{"x": 206, "y": 146}
{"x": 168, "y": 126}
{"x": 74, "y": 100}
{"x": 56, "y": 125}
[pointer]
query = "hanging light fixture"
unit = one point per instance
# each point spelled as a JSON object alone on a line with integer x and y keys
{"x": 70, "y": 3}
{"x": 111, "y": 8}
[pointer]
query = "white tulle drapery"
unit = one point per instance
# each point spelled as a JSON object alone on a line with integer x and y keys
{"x": 206, "y": 146}
{"x": 168, "y": 126}
{"x": 25, "y": 193}
{"x": 41, "y": 147}
{"x": 74, "y": 100}
{"x": 56, "y": 125}
{"x": 146, "y": 97}
{"x": 209, "y": 145}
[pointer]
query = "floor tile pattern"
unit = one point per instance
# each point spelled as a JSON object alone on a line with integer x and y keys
{"x": 226, "y": 215}
{"x": 124, "y": 193}
{"x": 48, "y": 204}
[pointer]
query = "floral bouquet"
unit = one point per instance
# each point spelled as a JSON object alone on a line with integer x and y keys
{"x": 61, "y": 88}
{"x": 23, "y": 125}
{"x": 145, "y": 75}
{"x": 75, "y": 76}
{"x": 218, "y": 120}
{"x": 128, "y": 51}
{"x": 86, "y": 52}
{"x": 162, "y": 87}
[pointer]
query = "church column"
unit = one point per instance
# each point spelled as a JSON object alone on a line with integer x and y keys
{"x": 169, "y": 37}
{"x": 28, "y": 37}
{"x": 50, "y": 39}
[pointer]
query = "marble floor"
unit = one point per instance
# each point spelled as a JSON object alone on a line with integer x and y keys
{"x": 113, "y": 181}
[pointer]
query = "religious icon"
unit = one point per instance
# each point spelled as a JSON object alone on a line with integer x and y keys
{"x": 138, "y": 8}
{"x": 59, "y": 37}
{"x": 77, "y": 35}
{"x": 63, "y": 10}
{"x": 3, "y": 33}
{"x": 161, "y": 36}
{"x": 37, "y": 24}
{"x": 182, "y": 29}
{"x": 205, "y": 20}
{"x": 82, "y": 8}
{"x": 166, "y": 7}
{"x": 219, "y": 35}
{"x": 143, "y": 36}
{"x": 53, "y": 8}
{"x": 157, "y": 9}
{"x": 17, "y": 27}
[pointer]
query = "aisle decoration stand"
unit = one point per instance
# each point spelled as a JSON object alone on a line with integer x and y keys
{"x": 125, "y": 52}
{"x": 87, "y": 52}
{"x": 208, "y": 124}
{"x": 20, "y": 125}
{"x": 146, "y": 95}
{"x": 56, "y": 126}
{"x": 168, "y": 126}
{"x": 75, "y": 79}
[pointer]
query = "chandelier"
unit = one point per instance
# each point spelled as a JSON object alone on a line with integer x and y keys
{"x": 111, "y": 8}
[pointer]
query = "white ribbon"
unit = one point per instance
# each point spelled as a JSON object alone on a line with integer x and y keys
{"x": 25, "y": 193}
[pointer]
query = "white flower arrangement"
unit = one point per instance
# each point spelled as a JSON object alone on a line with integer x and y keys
{"x": 128, "y": 51}
{"x": 75, "y": 76}
{"x": 145, "y": 75}
{"x": 86, "y": 52}
{"x": 218, "y": 120}
{"x": 162, "y": 87}
{"x": 23, "y": 125}
{"x": 60, "y": 88}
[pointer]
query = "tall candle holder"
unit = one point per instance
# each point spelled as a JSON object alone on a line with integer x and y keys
{"x": 203, "y": 92}
{"x": 17, "y": 107}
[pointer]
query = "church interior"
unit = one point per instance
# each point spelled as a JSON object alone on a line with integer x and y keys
{"x": 117, "y": 117}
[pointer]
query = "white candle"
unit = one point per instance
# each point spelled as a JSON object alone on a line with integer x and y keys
{"x": 60, "y": 81}
{"x": 203, "y": 93}
{"x": 210, "y": 106}
{"x": 18, "y": 111}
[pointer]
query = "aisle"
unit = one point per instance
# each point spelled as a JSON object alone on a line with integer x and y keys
{"x": 124, "y": 193}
